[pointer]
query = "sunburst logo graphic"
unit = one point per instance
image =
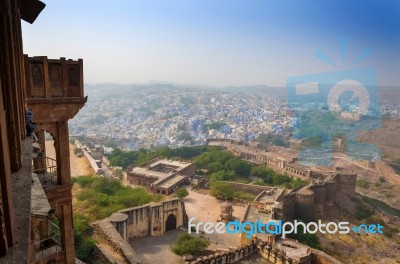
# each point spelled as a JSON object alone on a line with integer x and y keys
{"x": 343, "y": 55}
{"x": 342, "y": 102}
{"x": 348, "y": 97}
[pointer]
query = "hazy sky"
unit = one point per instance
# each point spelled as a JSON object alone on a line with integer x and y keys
{"x": 216, "y": 42}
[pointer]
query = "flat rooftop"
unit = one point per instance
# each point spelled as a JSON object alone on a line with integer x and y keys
{"x": 171, "y": 181}
{"x": 172, "y": 163}
{"x": 149, "y": 173}
{"x": 252, "y": 215}
{"x": 165, "y": 171}
{"x": 269, "y": 196}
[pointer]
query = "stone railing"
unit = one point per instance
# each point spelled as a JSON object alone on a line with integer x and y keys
{"x": 229, "y": 256}
{"x": 267, "y": 251}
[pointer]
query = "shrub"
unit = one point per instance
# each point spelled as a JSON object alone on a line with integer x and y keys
{"x": 84, "y": 248}
{"x": 223, "y": 190}
{"x": 363, "y": 184}
{"x": 106, "y": 186}
{"x": 259, "y": 182}
{"x": 85, "y": 181}
{"x": 181, "y": 193}
{"x": 363, "y": 212}
{"x": 84, "y": 243}
{"x": 101, "y": 196}
{"x": 189, "y": 245}
{"x": 102, "y": 200}
{"x": 311, "y": 240}
{"x": 77, "y": 151}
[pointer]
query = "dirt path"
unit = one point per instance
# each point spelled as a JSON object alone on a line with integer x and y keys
{"x": 206, "y": 208}
{"x": 79, "y": 166}
{"x": 388, "y": 172}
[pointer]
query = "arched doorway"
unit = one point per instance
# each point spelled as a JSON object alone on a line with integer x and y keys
{"x": 170, "y": 224}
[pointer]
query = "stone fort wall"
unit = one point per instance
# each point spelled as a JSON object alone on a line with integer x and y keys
{"x": 307, "y": 202}
{"x": 250, "y": 188}
{"x": 267, "y": 251}
{"x": 149, "y": 220}
{"x": 314, "y": 200}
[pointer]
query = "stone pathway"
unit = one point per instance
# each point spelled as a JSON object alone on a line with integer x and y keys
{"x": 157, "y": 249}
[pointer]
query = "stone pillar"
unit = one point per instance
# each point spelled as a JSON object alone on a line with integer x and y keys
{"x": 62, "y": 153}
{"x": 40, "y": 163}
{"x": 68, "y": 238}
{"x": 41, "y": 140}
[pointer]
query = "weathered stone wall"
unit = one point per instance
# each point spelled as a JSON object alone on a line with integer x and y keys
{"x": 288, "y": 207}
{"x": 138, "y": 220}
{"x": 257, "y": 246}
{"x": 312, "y": 201}
{"x": 142, "y": 221}
{"x": 267, "y": 251}
{"x": 106, "y": 231}
{"x": 189, "y": 170}
{"x": 304, "y": 207}
{"x": 12, "y": 116}
{"x": 346, "y": 183}
{"x": 150, "y": 219}
{"x": 98, "y": 257}
{"x": 250, "y": 188}
{"x": 229, "y": 256}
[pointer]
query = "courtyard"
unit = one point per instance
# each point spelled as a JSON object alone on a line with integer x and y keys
{"x": 204, "y": 208}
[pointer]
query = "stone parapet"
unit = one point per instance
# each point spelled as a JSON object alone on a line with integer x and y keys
{"x": 107, "y": 231}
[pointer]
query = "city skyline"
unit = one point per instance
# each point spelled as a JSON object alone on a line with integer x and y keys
{"x": 216, "y": 43}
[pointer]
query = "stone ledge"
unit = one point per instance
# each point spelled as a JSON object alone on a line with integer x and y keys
{"x": 107, "y": 232}
{"x": 21, "y": 184}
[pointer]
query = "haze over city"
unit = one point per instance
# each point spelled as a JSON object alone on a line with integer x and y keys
{"x": 217, "y": 43}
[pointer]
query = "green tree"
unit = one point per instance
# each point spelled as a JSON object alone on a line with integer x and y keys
{"x": 77, "y": 151}
{"x": 181, "y": 193}
{"x": 243, "y": 168}
{"x": 221, "y": 190}
{"x": 297, "y": 183}
{"x": 222, "y": 175}
{"x": 215, "y": 166}
{"x": 363, "y": 184}
{"x": 118, "y": 173}
{"x": 189, "y": 245}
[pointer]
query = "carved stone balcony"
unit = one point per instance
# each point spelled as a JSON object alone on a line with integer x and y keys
{"x": 54, "y": 88}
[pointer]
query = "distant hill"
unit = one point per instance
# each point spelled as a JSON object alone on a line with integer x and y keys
{"x": 119, "y": 90}
{"x": 388, "y": 94}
